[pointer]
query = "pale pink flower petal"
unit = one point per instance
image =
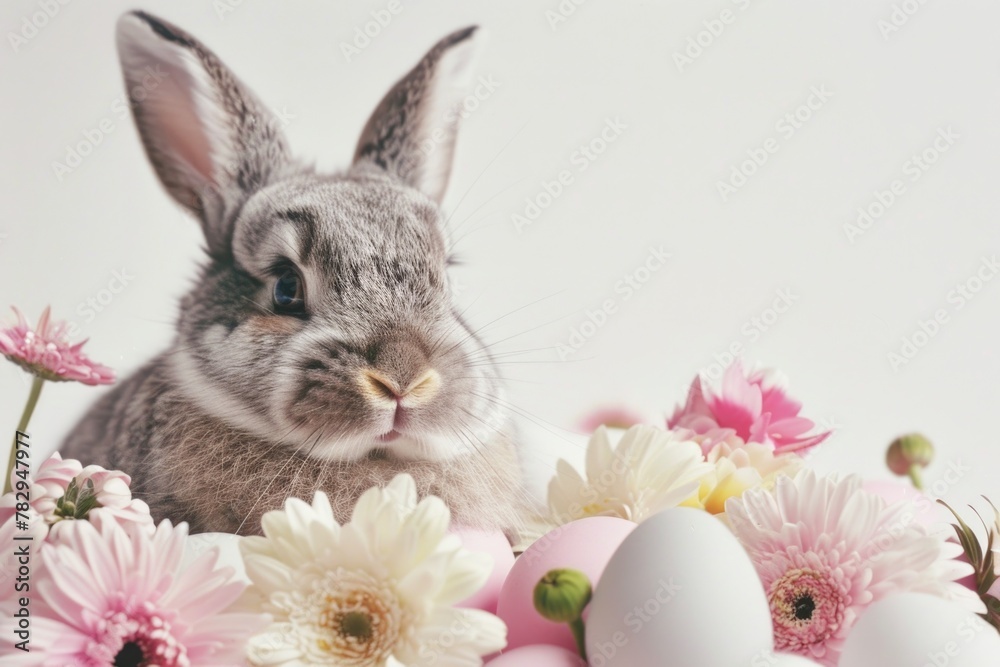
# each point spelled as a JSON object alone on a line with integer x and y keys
{"x": 47, "y": 522}
{"x": 612, "y": 417}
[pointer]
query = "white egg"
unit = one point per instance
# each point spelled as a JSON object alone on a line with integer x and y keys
{"x": 229, "y": 552}
{"x": 680, "y": 590}
{"x": 917, "y": 630}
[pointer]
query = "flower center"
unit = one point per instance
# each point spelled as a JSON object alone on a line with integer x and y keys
{"x": 131, "y": 655}
{"x": 356, "y": 624}
{"x": 137, "y": 638}
{"x": 346, "y": 618}
{"x": 807, "y": 607}
{"x": 804, "y": 608}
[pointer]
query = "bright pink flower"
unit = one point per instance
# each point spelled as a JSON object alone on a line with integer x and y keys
{"x": 45, "y": 352}
{"x": 825, "y": 549}
{"x": 110, "y": 596}
{"x": 751, "y": 407}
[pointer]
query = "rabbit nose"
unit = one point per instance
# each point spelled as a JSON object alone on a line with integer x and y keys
{"x": 380, "y": 387}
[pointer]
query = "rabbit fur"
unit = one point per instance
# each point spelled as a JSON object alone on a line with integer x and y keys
{"x": 375, "y": 374}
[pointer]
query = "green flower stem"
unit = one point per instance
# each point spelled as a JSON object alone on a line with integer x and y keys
{"x": 915, "y": 477}
{"x": 22, "y": 426}
{"x": 579, "y": 635}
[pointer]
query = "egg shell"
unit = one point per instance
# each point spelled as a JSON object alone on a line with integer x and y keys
{"x": 585, "y": 545}
{"x": 229, "y": 552}
{"x": 914, "y": 629}
{"x": 496, "y": 545}
{"x": 540, "y": 655}
{"x": 682, "y": 591}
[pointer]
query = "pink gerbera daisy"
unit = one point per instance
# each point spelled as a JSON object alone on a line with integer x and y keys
{"x": 751, "y": 407}
{"x": 44, "y": 351}
{"x": 111, "y": 597}
{"x": 825, "y": 549}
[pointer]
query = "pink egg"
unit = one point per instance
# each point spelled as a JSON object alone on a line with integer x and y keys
{"x": 538, "y": 656}
{"x": 928, "y": 513}
{"x": 585, "y": 545}
{"x": 494, "y": 544}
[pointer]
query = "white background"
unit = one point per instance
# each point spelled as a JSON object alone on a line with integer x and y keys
{"x": 655, "y": 185}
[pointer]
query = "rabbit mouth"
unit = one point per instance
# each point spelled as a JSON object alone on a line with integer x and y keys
{"x": 390, "y": 436}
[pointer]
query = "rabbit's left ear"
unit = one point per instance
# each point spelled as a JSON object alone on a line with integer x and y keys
{"x": 210, "y": 140}
{"x": 411, "y": 134}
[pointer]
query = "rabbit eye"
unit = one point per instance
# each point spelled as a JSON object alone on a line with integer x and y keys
{"x": 288, "y": 293}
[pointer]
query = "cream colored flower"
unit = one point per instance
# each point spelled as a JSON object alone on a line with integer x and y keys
{"x": 738, "y": 468}
{"x": 376, "y": 590}
{"x": 649, "y": 470}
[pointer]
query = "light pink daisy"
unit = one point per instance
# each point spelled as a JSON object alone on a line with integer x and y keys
{"x": 749, "y": 407}
{"x": 61, "y": 493}
{"x": 45, "y": 352}
{"x": 63, "y": 490}
{"x": 107, "y": 596}
{"x": 825, "y": 549}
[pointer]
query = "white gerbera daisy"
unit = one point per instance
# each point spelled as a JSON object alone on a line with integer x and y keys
{"x": 375, "y": 590}
{"x": 649, "y": 470}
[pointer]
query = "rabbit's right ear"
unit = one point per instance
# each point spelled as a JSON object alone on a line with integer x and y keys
{"x": 210, "y": 140}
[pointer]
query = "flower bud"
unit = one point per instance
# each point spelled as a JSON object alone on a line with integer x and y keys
{"x": 562, "y": 595}
{"x": 78, "y": 500}
{"x": 908, "y": 451}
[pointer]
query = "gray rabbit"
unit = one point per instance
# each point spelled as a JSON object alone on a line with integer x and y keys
{"x": 319, "y": 347}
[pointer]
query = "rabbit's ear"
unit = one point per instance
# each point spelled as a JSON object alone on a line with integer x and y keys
{"x": 411, "y": 133}
{"x": 210, "y": 140}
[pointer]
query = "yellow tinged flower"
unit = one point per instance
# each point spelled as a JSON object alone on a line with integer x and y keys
{"x": 737, "y": 469}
